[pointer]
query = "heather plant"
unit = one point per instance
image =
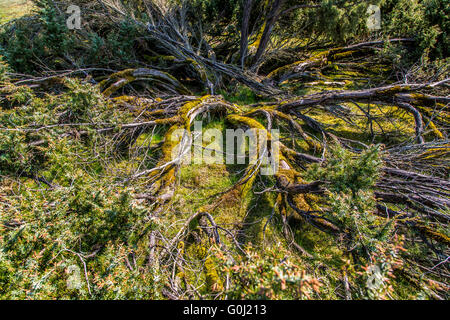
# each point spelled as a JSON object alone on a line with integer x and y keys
{"x": 366, "y": 239}
{"x": 80, "y": 222}
{"x": 350, "y": 180}
{"x": 347, "y": 173}
{"x": 427, "y": 21}
{"x": 274, "y": 275}
{"x": 78, "y": 100}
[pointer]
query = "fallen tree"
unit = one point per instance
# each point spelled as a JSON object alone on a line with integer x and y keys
{"x": 361, "y": 176}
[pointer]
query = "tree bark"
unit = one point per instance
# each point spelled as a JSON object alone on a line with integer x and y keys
{"x": 270, "y": 23}
{"x": 244, "y": 30}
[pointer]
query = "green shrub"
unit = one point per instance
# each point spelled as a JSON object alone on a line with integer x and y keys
{"x": 20, "y": 49}
{"x": 121, "y": 42}
{"x": 365, "y": 237}
{"x": 350, "y": 180}
{"x": 274, "y": 275}
{"x": 215, "y": 14}
{"x": 81, "y": 102}
{"x": 349, "y": 173}
{"x": 425, "y": 20}
{"x": 58, "y": 229}
{"x": 4, "y": 69}
{"x": 241, "y": 95}
{"x": 41, "y": 39}
{"x": 15, "y": 156}
{"x": 338, "y": 21}
{"x": 55, "y": 35}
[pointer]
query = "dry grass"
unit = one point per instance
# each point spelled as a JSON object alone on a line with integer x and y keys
{"x": 10, "y": 9}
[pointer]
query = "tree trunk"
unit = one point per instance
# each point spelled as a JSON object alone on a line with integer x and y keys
{"x": 270, "y": 23}
{"x": 244, "y": 30}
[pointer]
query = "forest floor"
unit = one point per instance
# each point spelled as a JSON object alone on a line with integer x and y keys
{"x": 358, "y": 207}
